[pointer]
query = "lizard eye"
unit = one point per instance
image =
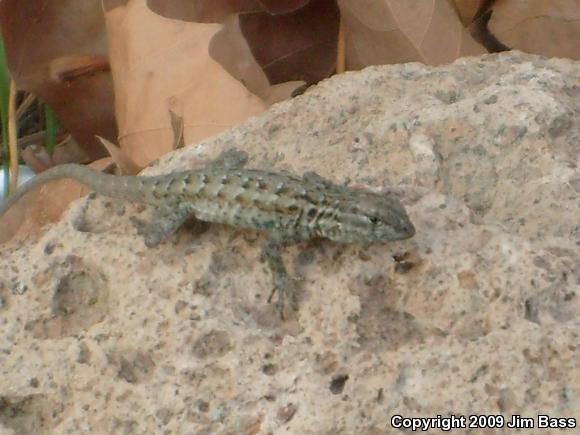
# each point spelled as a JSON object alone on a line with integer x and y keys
{"x": 374, "y": 220}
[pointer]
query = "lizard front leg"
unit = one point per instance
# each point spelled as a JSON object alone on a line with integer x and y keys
{"x": 229, "y": 159}
{"x": 314, "y": 178}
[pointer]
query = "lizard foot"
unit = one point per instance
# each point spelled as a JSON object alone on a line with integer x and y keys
{"x": 283, "y": 284}
{"x": 287, "y": 295}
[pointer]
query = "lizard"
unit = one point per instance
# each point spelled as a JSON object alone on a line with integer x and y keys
{"x": 290, "y": 208}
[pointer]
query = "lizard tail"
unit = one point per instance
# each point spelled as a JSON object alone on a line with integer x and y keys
{"x": 106, "y": 184}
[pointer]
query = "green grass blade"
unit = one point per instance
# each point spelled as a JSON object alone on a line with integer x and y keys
{"x": 4, "y": 96}
{"x": 51, "y": 129}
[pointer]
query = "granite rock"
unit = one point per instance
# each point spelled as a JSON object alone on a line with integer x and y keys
{"x": 479, "y": 313}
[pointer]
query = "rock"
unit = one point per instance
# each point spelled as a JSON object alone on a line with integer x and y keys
{"x": 478, "y": 314}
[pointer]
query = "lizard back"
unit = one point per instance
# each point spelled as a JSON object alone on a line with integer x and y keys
{"x": 247, "y": 198}
{"x": 279, "y": 202}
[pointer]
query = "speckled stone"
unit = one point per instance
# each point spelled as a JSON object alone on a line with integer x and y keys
{"x": 477, "y": 314}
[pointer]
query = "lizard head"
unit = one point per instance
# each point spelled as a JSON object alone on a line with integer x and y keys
{"x": 368, "y": 217}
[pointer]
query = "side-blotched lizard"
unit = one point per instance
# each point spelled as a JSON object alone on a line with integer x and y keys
{"x": 290, "y": 208}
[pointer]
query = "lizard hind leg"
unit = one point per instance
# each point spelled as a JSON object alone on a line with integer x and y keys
{"x": 166, "y": 221}
{"x": 284, "y": 285}
{"x": 232, "y": 158}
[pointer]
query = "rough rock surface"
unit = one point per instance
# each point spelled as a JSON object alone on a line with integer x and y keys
{"x": 477, "y": 314}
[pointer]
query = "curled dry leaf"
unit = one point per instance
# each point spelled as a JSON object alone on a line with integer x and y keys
{"x": 123, "y": 162}
{"x": 393, "y": 31}
{"x": 216, "y": 11}
{"x": 162, "y": 66}
{"x": 283, "y": 6}
{"x": 267, "y": 43}
{"x": 68, "y": 68}
{"x": 466, "y": 9}
{"x": 37, "y": 158}
{"x": 294, "y": 46}
{"x": 51, "y": 54}
{"x": 202, "y": 11}
{"x": 550, "y": 28}
{"x": 231, "y": 50}
{"x": 479, "y": 29}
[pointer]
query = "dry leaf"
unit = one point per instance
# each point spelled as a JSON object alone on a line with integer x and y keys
{"x": 204, "y": 11}
{"x": 66, "y": 150}
{"x": 294, "y": 46}
{"x": 283, "y": 91}
{"x": 68, "y": 68}
{"x": 162, "y": 65}
{"x": 395, "y": 31}
{"x": 177, "y": 127}
{"x": 265, "y": 43}
{"x": 217, "y": 11}
{"x": 279, "y": 7}
{"x": 550, "y": 28}
{"x": 44, "y": 37}
{"x": 231, "y": 50}
{"x": 479, "y": 29}
{"x": 466, "y": 9}
{"x": 122, "y": 161}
